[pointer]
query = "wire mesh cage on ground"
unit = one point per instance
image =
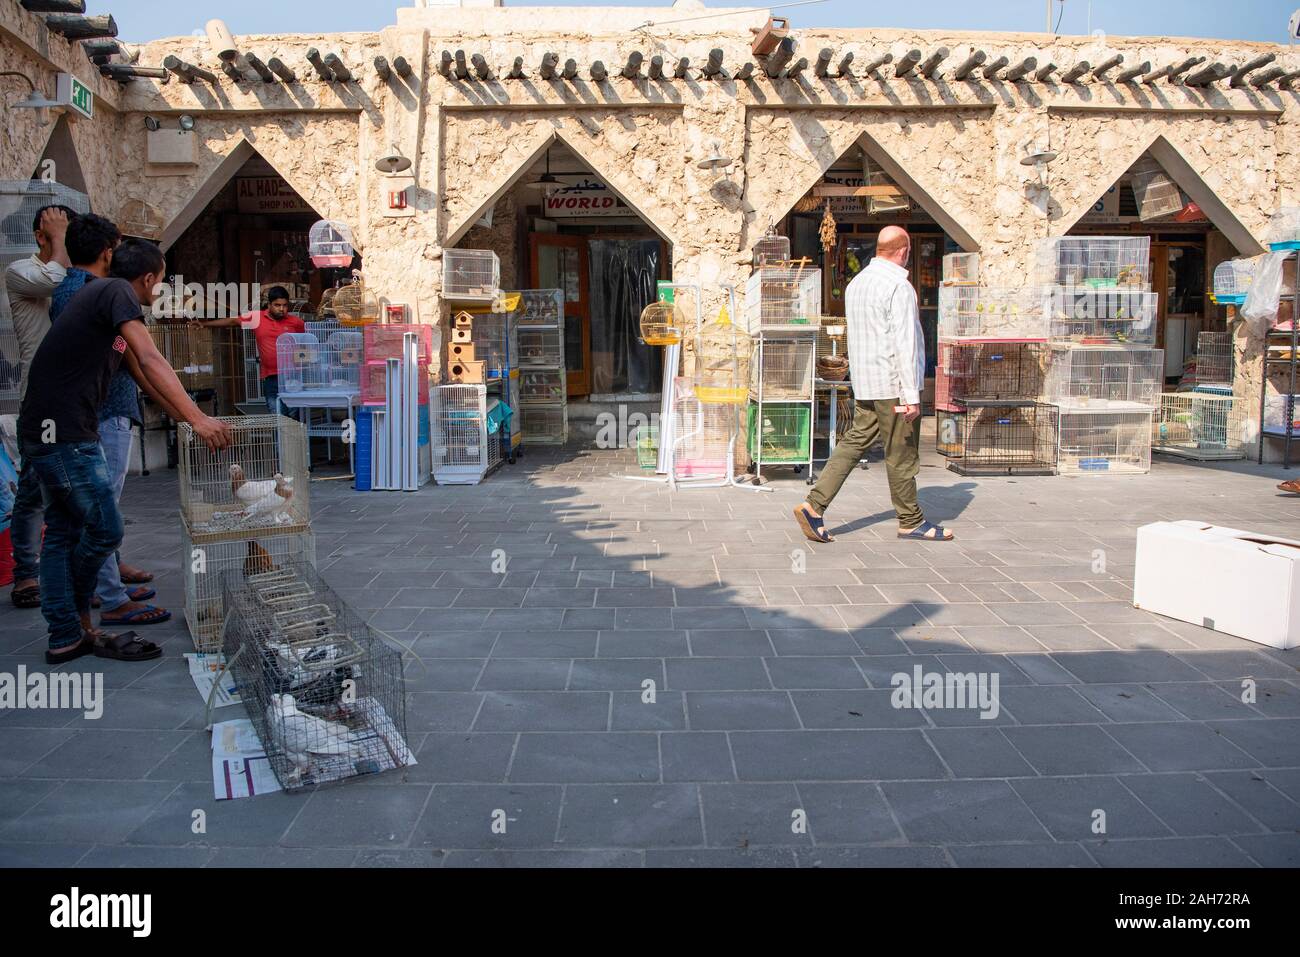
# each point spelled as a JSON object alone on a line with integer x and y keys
{"x": 782, "y": 296}
{"x": 783, "y": 364}
{"x": 189, "y": 352}
{"x": 779, "y": 433}
{"x": 543, "y": 424}
{"x": 961, "y": 269}
{"x": 771, "y": 249}
{"x": 466, "y": 440}
{"x": 1109, "y": 441}
{"x": 990, "y": 371}
{"x": 470, "y": 274}
{"x": 1203, "y": 427}
{"x": 1003, "y": 439}
{"x": 988, "y": 312}
{"x": 1094, "y": 261}
{"x": 646, "y": 442}
{"x": 324, "y": 691}
{"x": 11, "y": 369}
{"x": 206, "y": 558}
{"x": 1100, "y": 376}
{"x": 949, "y": 431}
{"x": 1233, "y": 279}
{"x": 382, "y": 342}
{"x": 19, "y": 202}
{"x": 1214, "y": 358}
{"x": 541, "y": 347}
{"x": 308, "y": 364}
{"x": 1091, "y": 317}
{"x": 540, "y": 307}
{"x": 260, "y": 481}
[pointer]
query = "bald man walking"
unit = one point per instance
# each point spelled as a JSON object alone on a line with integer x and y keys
{"x": 887, "y": 366}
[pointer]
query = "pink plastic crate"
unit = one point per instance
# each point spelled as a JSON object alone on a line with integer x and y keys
{"x": 384, "y": 342}
{"x": 372, "y": 386}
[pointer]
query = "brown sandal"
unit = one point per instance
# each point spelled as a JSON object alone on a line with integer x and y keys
{"x": 126, "y": 646}
{"x": 83, "y": 647}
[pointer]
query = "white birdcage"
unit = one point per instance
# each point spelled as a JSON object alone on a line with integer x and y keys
{"x": 771, "y": 249}
{"x": 984, "y": 312}
{"x": 189, "y": 351}
{"x": 496, "y": 343}
{"x": 1214, "y": 358}
{"x": 702, "y": 435}
{"x": 466, "y": 445}
{"x": 261, "y": 481}
{"x": 252, "y": 365}
{"x": 1096, "y": 261}
{"x": 961, "y": 269}
{"x": 19, "y": 201}
{"x": 1284, "y": 229}
{"x": 1232, "y": 281}
{"x": 783, "y": 364}
{"x": 1078, "y": 315}
{"x": 307, "y": 364}
{"x": 1115, "y": 440}
{"x": 1202, "y": 427}
{"x": 470, "y": 274}
{"x": 541, "y": 347}
{"x": 782, "y": 296}
{"x": 11, "y": 367}
{"x": 329, "y": 244}
{"x": 1156, "y": 193}
{"x": 1103, "y": 377}
{"x": 322, "y": 329}
{"x": 207, "y": 557}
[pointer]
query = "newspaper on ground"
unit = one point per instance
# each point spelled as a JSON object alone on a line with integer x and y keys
{"x": 203, "y": 672}
{"x": 240, "y": 767}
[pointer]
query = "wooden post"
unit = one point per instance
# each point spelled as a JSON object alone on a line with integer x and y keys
{"x": 1021, "y": 70}
{"x": 633, "y": 69}
{"x": 277, "y": 67}
{"x": 382, "y": 70}
{"x": 969, "y": 65}
{"x": 481, "y": 66}
{"x": 72, "y": 26}
{"x": 656, "y": 68}
{"x": 905, "y": 66}
{"x": 259, "y": 68}
{"x": 1176, "y": 72}
{"x": 317, "y": 64}
{"x": 1101, "y": 71}
{"x": 598, "y": 72}
{"x": 931, "y": 64}
{"x": 877, "y": 63}
{"x": 188, "y": 73}
{"x": 823, "y": 65}
{"x": 337, "y": 67}
{"x": 516, "y": 69}
{"x": 845, "y": 67}
{"x": 1131, "y": 74}
{"x": 1076, "y": 72}
{"x": 548, "y": 66}
{"x": 402, "y": 67}
{"x": 570, "y": 70}
{"x": 993, "y": 69}
{"x": 1044, "y": 75}
{"x": 1239, "y": 74}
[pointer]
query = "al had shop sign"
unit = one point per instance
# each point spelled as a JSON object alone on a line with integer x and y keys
{"x": 585, "y": 198}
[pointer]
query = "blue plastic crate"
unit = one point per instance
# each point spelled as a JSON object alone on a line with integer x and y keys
{"x": 365, "y": 438}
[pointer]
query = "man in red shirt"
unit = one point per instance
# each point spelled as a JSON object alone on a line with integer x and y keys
{"x": 267, "y": 325}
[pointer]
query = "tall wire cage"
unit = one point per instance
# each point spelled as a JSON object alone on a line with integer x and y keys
{"x": 470, "y": 274}
{"x": 252, "y": 365}
{"x": 1202, "y": 427}
{"x": 323, "y": 690}
{"x": 20, "y": 199}
{"x": 189, "y": 351}
{"x": 260, "y": 481}
{"x": 1214, "y": 358}
{"x": 1156, "y": 193}
{"x": 1104, "y": 441}
{"x": 466, "y": 442}
{"x": 11, "y": 368}
{"x": 782, "y": 296}
{"x": 703, "y": 433}
{"x": 1102, "y": 317}
{"x": 307, "y": 364}
{"x": 1101, "y": 376}
{"x": 783, "y": 364}
{"x": 1000, "y": 439}
{"x": 990, "y": 312}
{"x": 1097, "y": 262}
{"x": 987, "y": 371}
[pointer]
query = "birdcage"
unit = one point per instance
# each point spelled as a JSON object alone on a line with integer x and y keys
{"x": 1232, "y": 281}
{"x": 322, "y": 329}
{"x": 472, "y": 275}
{"x": 260, "y": 481}
{"x": 1003, "y": 439}
{"x": 540, "y": 307}
{"x": 990, "y": 312}
{"x": 780, "y": 433}
{"x": 383, "y": 342}
{"x": 1098, "y": 377}
{"x": 646, "y": 443}
{"x": 1094, "y": 261}
{"x": 662, "y": 324}
{"x": 1113, "y": 440}
{"x": 19, "y": 202}
{"x": 783, "y": 364}
{"x": 782, "y": 296}
{"x": 542, "y": 387}
{"x": 1157, "y": 195}
{"x": 466, "y": 438}
{"x": 252, "y": 365}
{"x": 323, "y": 690}
{"x": 1201, "y": 427}
{"x": 961, "y": 269}
{"x": 1096, "y": 317}
{"x": 717, "y": 363}
{"x": 1281, "y": 413}
{"x": 307, "y": 365}
{"x": 949, "y": 431}
{"x": 988, "y": 371}
{"x": 544, "y": 424}
{"x": 494, "y": 342}
{"x": 206, "y": 557}
{"x": 11, "y": 369}
{"x": 188, "y": 350}
{"x": 702, "y": 435}
{"x": 329, "y": 244}
{"x": 541, "y": 347}
{"x": 1214, "y": 358}
{"x": 1284, "y": 229}
{"x": 771, "y": 249}
{"x": 355, "y": 305}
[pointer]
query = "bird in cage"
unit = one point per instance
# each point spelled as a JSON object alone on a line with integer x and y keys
{"x": 303, "y": 737}
{"x": 265, "y": 497}
{"x": 258, "y": 561}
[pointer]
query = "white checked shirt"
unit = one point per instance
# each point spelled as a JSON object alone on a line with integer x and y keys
{"x": 886, "y": 345}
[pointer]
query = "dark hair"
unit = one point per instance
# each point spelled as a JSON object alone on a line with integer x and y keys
{"x": 88, "y": 236}
{"x": 276, "y": 292}
{"x": 135, "y": 257}
{"x": 36, "y": 222}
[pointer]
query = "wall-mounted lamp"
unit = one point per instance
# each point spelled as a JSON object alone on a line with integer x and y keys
{"x": 151, "y": 124}
{"x": 185, "y": 122}
{"x": 35, "y": 100}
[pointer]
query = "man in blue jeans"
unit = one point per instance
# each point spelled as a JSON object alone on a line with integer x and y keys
{"x": 90, "y": 242}
{"x": 100, "y": 328}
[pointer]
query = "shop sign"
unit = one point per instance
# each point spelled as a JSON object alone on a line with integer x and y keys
{"x": 268, "y": 194}
{"x": 1106, "y": 210}
{"x": 585, "y": 198}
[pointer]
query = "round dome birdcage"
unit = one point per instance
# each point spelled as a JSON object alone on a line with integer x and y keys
{"x": 1232, "y": 281}
{"x": 329, "y": 244}
{"x": 662, "y": 324}
{"x": 355, "y": 305}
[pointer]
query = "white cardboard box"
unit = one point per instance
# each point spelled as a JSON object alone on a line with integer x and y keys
{"x": 1234, "y": 582}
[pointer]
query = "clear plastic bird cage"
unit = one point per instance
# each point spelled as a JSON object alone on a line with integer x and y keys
{"x": 783, "y": 364}
{"x": 988, "y": 371}
{"x": 1214, "y": 358}
{"x": 990, "y": 312}
{"x": 771, "y": 249}
{"x": 330, "y": 245}
{"x": 188, "y": 350}
{"x": 662, "y": 324}
{"x": 470, "y": 275}
{"x": 260, "y": 481}
{"x": 782, "y": 296}
{"x": 780, "y": 433}
{"x": 961, "y": 269}
{"x": 355, "y": 305}
{"x": 19, "y": 202}
{"x": 11, "y": 369}
{"x": 206, "y": 558}
{"x": 1102, "y": 377}
{"x": 323, "y": 690}
{"x": 1098, "y": 262}
{"x": 383, "y": 342}
{"x": 1104, "y": 441}
{"x": 1003, "y": 439}
{"x": 1232, "y": 281}
{"x": 1156, "y": 193}
{"x": 1101, "y": 317}
{"x": 1201, "y": 427}
{"x": 702, "y": 437}
{"x": 308, "y": 365}
{"x": 466, "y": 440}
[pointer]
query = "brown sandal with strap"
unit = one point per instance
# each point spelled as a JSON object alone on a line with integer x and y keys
{"x": 125, "y": 646}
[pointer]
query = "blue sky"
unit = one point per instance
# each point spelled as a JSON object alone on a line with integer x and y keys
{"x": 1229, "y": 19}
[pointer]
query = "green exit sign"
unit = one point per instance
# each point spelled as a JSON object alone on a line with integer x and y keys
{"x": 72, "y": 93}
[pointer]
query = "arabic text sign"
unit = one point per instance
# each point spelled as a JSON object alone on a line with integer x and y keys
{"x": 584, "y": 199}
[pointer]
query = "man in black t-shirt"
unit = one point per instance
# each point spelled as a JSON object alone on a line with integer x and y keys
{"x": 102, "y": 325}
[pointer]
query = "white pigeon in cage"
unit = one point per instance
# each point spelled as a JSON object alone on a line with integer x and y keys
{"x": 265, "y": 497}
{"x": 304, "y": 665}
{"x": 301, "y": 736}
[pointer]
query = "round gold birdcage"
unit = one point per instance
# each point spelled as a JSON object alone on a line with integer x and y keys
{"x": 355, "y": 305}
{"x": 662, "y": 324}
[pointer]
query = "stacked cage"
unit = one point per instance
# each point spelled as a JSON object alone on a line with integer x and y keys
{"x": 1105, "y": 375}
{"x": 309, "y": 365}
{"x": 781, "y": 397}
{"x": 542, "y": 406}
{"x": 470, "y": 275}
{"x": 1203, "y": 427}
{"x": 465, "y": 433}
{"x": 379, "y": 343}
{"x": 1214, "y": 359}
{"x": 11, "y": 368}
{"x": 189, "y": 351}
{"x": 782, "y": 296}
{"x": 244, "y": 508}
{"x": 324, "y": 692}
{"x": 707, "y": 403}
